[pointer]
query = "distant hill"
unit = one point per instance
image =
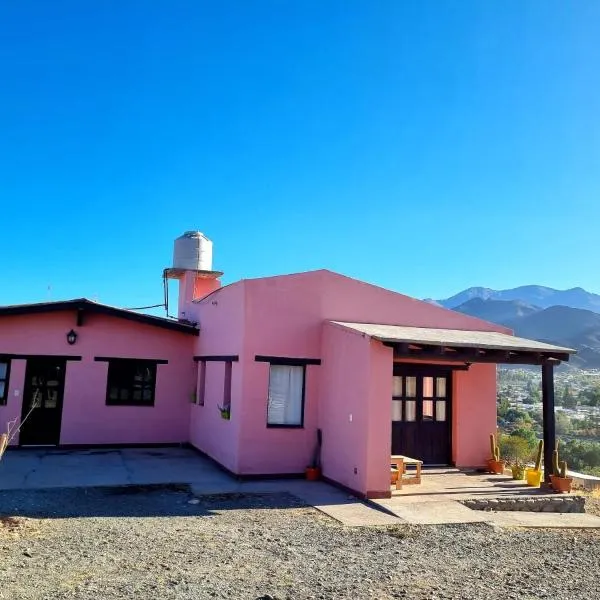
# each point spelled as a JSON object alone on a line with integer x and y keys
{"x": 497, "y": 311}
{"x": 534, "y": 295}
{"x": 562, "y": 325}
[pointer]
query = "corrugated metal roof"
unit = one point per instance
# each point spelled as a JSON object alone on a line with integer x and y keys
{"x": 488, "y": 340}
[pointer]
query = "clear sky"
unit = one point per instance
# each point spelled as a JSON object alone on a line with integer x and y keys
{"x": 422, "y": 146}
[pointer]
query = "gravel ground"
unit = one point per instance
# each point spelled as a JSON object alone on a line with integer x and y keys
{"x": 148, "y": 543}
{"x": 592, "y": 504}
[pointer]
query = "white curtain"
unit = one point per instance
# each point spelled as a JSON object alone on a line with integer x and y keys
{"x": 285, "y": 395}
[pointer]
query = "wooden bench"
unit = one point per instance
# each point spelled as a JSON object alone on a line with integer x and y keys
{"x": 400, "y": 463}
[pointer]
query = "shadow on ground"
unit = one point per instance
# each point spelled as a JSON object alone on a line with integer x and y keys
{"x": 133, "y": 501}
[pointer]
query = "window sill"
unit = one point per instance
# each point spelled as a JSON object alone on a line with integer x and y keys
{"x": 147, "y": 405}
{"x": 278, "y": 426}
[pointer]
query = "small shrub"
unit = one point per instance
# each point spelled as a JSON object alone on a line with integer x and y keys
{"x": 517, "y": 450}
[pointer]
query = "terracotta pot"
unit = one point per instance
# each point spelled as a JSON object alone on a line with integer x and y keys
{"x": 496, "y": 466}
{"x": 534, "y": 478}
{"x": 561, "y": 484}
{"x": 312, "y": 473}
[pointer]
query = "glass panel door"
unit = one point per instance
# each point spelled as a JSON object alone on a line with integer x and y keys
{"x": 421, "y": 413}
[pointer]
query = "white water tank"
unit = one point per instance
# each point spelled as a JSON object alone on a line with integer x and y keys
{"x": 192, "y": 251}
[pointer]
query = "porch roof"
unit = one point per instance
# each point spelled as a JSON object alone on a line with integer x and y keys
{"x": 461, "y": 345}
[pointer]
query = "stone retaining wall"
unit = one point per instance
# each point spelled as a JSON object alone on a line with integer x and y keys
{"x": 559, "y": 504}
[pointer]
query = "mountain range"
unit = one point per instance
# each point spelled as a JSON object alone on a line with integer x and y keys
{"x": 536, "y": 295}
{"x": 565, "y": 317}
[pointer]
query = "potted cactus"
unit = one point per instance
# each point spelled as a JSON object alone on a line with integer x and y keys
{"x": 313, "y": 470}
{"x": 495, "y": 464}
{"x": 517, "y": 452}
{"x": 534, "y": 474}
{"x": 559, "y": 479}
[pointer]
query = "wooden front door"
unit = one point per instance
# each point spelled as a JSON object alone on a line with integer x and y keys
{"x": 421, "y": 413}
{"x": 42, "y": 402}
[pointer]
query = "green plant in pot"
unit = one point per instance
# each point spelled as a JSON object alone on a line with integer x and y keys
{"x": 534, "y": 474}
{"x": 518, "y": 453}
{"x": 225, "y": 412}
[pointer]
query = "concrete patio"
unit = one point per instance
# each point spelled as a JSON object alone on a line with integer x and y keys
{"x": 438, "y": 485}
{"x": 36, "y": 468}
{"x": 438, "y": 500}
{"x": 435, "y": 501}
{"x": 43, "y": 468}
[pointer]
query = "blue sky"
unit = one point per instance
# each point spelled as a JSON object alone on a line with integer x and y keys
{"x": 425, "y": 147}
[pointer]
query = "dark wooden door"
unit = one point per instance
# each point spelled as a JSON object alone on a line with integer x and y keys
{"x": 42, "y": 402}
{"x": 421, "y": 413}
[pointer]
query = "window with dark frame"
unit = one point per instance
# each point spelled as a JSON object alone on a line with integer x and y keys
{"x": 4, "y": 377}
{"x": 203, "y": 375}
{"x": 227, "y": 385}
{"x": 201, "y": 392}
{"x": 130, "y": 382}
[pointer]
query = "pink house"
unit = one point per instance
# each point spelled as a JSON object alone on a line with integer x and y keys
{"x": 249, "y": 372}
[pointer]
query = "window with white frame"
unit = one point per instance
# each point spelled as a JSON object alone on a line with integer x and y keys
{"x": 286, "y": 396}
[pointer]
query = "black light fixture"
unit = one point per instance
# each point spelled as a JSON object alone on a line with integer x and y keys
{"x": 71, "y": 337}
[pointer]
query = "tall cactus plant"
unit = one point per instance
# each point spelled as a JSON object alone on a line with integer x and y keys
{"x": 559, "y": 469}
{"x": 495, "y": 449}
{"x": 555, "y": 463}
{"x": 540, "y": 454}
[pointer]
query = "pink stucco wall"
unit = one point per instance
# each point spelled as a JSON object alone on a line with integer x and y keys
{"x": 274, "y": 450}
{"x": 474, "y": 414}
{"x": 210, "y": 433}
{"x": 379, "y": 432}
{"x": 221, "y": 320}
{"x": 193, "y": 287}
{"x": 286, "y": 316}
{"x": 355, "y": 410}
{"x": 343, "y": 409}
{"x": 85, "y": 418}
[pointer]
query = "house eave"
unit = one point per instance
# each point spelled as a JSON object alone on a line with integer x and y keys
{"x": 83, "y": 305}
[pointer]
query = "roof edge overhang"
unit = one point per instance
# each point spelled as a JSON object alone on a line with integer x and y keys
{"x": 83, "y": 305}
{"x": 452, "y": 345}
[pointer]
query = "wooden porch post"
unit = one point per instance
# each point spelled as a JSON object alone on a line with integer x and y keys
{"x": 548, "y": 417}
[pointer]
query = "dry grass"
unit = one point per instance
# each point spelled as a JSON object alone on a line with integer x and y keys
{"x": 14, "y": 527}
{"x": 592, "y": 502}
{"x": 12, "y": 522}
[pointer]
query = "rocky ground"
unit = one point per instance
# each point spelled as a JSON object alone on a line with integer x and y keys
{"x": 148, "y": 543}
{"x": 592, "y": 504}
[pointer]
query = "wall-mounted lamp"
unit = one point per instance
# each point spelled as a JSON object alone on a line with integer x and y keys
{"x": 71, "y": 337}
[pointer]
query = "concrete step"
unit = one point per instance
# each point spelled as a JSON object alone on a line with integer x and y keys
{"x": 433, "y": 513}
